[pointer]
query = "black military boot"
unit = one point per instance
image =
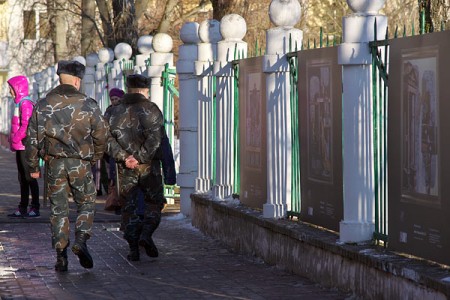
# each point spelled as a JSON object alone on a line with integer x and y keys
{"x": 80, "y": 249}
{"x": 133, "y": 255}
{"x": 146, "y": 241}
{"x": 61, "y": 260}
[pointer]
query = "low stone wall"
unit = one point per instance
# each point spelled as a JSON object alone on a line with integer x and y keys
{"x": 369, "y": 271}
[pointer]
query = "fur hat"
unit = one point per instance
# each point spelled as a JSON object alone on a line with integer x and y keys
{"x": 138, "y": 81}
{"x": 116, "y": 92}
{"x": 71, "y": 67}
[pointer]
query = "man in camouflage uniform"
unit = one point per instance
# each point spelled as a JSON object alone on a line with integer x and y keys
{"x": 136, "y": 126}
{"x": 67, "y": 130}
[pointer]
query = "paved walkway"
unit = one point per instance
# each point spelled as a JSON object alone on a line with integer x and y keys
{"x": 190, "y": 265}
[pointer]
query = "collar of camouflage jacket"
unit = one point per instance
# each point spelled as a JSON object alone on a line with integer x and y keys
{"x": 65, "y": 89}
{"x": 134, "y": 98}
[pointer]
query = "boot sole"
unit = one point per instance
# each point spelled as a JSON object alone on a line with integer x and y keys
{"x": 150, "y": 247}
{"x": 85, "y": 259}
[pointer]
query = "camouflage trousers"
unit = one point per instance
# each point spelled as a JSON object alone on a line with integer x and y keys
{"x": 70, "y": 176}
{"x": 148, "y": 178}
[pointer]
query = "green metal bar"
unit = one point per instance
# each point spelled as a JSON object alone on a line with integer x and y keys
{"x": 321, "y": 37}
{"x": 237, "y": 170}
{"x": 422, "y": 19}
{"x": 295, "y": 183}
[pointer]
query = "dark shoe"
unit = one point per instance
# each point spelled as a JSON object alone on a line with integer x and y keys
{"x": 133, "y": 255}
{"x": 80, "y": 249}
{"x": 18, "y": 214}
{"x": 150, "y": 247}
{"x": 33, "y": 213}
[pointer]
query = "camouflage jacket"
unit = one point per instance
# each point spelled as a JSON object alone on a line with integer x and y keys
{"x": 66, "y": 123}
{"x": 136, "y": 129}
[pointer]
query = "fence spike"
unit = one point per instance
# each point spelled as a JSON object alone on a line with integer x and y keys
{"x": 328, "y": 40}
{"x": 404, "y": 30}
{"x": 412, "y": 30}
{"x": 321, "y": 37}
{"x": 396, "y": 32}
{"x": 314, "y": 43}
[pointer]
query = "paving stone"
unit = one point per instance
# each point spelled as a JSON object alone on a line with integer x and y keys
{"x": 190, "y": 265}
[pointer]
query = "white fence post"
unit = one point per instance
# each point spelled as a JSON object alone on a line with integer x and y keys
{"x": 162, "y": 44}
{"x": 123, "y": 53}
{"x": 187, "y": 114}
{"x": 233, "y": 29}
{"x": 145, "y": 47}
{"x": 105, "y": 56}
{"x": 284, "y": 14}
{"x": 355, "y": 58}
{"x": 209, "y": 33}
{"x": 89, "y": 75}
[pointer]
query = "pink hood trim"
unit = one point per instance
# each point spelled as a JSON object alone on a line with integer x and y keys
{"x": 20, "y": 86}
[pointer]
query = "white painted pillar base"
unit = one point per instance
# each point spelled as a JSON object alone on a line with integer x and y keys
{"x": 358, "y": 166}
{"x": 279, "y": 138}
{"x": 233, "y": 29}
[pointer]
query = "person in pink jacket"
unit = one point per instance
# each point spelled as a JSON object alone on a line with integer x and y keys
{"x": 18, "y": 87}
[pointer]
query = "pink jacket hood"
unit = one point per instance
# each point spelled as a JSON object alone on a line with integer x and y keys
{"x": 20, "y": 86}
{"x": 22, "y": 113}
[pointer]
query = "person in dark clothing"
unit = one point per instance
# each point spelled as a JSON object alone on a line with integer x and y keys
{"x": 68, "y": 131}
{"x": 136, "y": 127}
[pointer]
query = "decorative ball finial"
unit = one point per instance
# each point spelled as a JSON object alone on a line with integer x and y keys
{"x": 189, "y": 33}
{"x": 105, "y": 55}
{"x": 162, "y": 42}
{"x": 123, "y": 51}
{"x": 92, "y": 60}
{"x": 209, "y": 31}
{"x": 285, "y": 13}
{"x": 80, "y": 59}
{"x": 145, "y": 44}
{"x": 233, "y": 27}
{"x": 366, "y": 6}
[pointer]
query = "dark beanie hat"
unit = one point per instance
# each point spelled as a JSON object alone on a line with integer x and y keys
{"x": 116, "y": 92}
{"x": 71, "y": 67}
{"x": 138, "y": 81}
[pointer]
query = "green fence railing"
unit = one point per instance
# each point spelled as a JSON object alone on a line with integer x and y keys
{"x": 236, "y": 152}
{"x": 295, "y": 137}
{"x": 169, "y": 93}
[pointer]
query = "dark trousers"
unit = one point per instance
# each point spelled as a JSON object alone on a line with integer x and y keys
{"x": 145, "y": 180}
{"x": 27, "y": 184}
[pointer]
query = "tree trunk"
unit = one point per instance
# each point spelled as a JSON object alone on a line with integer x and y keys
{"x": 166, "y": 21}
{"x": 108, "y": 39}
{"x": 125, "y": 23}
{"x": 225, "y": 7}
{"x": 87, "y": 26}
{"x": 58, "y": 25}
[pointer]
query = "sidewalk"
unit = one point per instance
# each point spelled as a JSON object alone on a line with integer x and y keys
{"x": 190, "y": 265}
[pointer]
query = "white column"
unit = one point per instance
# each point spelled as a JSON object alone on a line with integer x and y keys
{"x": 233, "y": 29}
{"x": 105, "y": 56}
{"x": 209, "y": 33}
{"x": 145, "y": 47}
{"x": 187, "y": 114}
{"x": 355, "y": 58}
{"x": 123, "y": 52}
{"x": 162, "y": 44}
{"x": 284, "y": 14}
{"x": 88, "y": 83}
